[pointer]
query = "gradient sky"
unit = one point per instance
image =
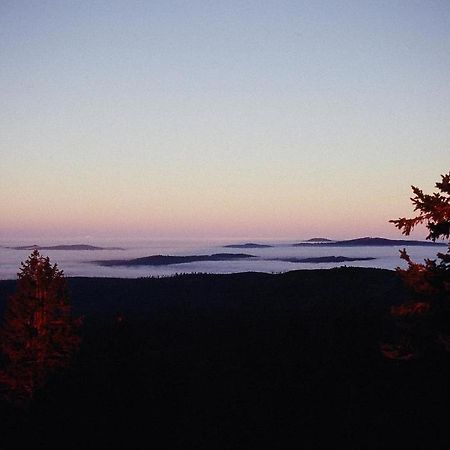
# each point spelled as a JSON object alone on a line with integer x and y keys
{"x": 285, "y": 119}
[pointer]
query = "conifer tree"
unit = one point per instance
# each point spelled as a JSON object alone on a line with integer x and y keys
{"x": 424, "y": 321}
{"x": 38, "y": 335}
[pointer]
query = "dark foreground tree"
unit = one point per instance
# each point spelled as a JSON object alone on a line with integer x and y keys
{"x": 424, "y": 321}
{"x": 38, "y": 335}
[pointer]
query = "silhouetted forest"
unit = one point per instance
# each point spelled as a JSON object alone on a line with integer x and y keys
{"x": 237, "y": 361}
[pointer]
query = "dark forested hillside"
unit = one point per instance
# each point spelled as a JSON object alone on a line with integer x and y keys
{"x": 237, "y": 361}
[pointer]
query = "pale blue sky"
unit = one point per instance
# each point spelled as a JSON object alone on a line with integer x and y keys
{"x": 196, "y": 118}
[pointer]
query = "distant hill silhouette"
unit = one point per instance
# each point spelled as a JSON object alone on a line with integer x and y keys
{"x": 319, "y": 240}
{"x": 64, "y": 247}
{"x": 325, "y": 259}
{"x": 248, "y": 245}
{"x": 165, "y": 260}
{"x": 371, "y": 242}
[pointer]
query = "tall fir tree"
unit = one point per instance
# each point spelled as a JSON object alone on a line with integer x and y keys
{"x": 39, "y": 334}
{"x": 424, "y": 321}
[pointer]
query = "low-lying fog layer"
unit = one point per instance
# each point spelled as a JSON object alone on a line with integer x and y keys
{"x": 278, "y": 256}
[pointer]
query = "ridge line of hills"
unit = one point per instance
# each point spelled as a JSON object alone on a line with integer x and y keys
{"x": 369, "y": 242}
{"x": 63, "y": 247}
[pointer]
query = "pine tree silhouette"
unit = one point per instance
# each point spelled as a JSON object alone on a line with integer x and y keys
{"x": 424, "y": 321}
{"x": 38, "y": 335}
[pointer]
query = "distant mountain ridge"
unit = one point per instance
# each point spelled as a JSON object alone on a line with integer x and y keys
{"x": 325, "y": 259}
{"x": 165, "y": 260}
{"x": 319, "y": 240}
{"x": 371, "y": 242}
{"x": 248, "y": 245}
{"x": 64, "y": 247}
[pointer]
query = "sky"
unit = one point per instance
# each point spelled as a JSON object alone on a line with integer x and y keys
{"x": 283, "y": 119}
